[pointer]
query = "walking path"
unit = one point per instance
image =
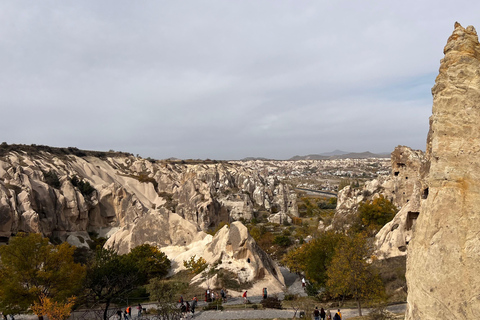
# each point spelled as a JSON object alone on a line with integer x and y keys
{"x": 274, "y": 313}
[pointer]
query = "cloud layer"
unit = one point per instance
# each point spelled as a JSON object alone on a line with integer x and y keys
{"x": 222, "y": 79}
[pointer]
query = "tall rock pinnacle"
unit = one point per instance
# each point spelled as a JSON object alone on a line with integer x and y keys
{"x": 443, "y": 264}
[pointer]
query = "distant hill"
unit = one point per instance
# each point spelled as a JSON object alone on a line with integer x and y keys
{"x": 338, "y": 154}
{"x": 254, "y": 158}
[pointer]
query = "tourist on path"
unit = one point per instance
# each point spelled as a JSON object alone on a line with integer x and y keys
{"x": 322, "y": 314}
{"x": 338, "y": 315}
{"x": 316, "y": 314}
{"x": 329, "y": 315}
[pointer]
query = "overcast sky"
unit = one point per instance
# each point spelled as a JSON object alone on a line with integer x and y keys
{"x": 222, "y": 79}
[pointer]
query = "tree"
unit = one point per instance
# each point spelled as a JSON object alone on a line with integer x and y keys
{"x": 110, "y": 277}
{"x": 164, "y": 292}
{"x": 195, "y": 266}
{"x": 314, "y": 257}
{"x": 349, "y": 273}
{"x": 375, "y": 214}
{"x": 31, "y": 268}
{"x": 52, "y": 309}
{"x": 151, "y": 261}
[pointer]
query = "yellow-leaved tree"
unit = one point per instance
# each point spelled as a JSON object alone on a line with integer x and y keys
{"x": 351, "y": 274}
{"x": 52, "y": 309}
{"x": 31, "y": 268}
{"x": 195, "y": 266}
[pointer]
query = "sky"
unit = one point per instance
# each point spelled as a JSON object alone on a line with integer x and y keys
{"x": 222, "y": 80}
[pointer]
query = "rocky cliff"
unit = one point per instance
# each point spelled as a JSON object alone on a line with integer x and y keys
{"x": 443, "y": 261}
{"x": 406, "y": 186}
{"x": 129, "y": 199}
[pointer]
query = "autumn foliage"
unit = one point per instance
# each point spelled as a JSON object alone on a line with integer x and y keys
{"x": 52, "y": 309}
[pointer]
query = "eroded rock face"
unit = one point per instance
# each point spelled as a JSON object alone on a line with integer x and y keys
{"x": 443, "y": 261}
{"x": 408, "y": 171}
{"x": 403, "y": 187}
{"x": 233, "y": 249}
{"x": 135, "y": 201}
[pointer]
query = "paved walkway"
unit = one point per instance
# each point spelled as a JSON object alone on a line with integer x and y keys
{"x": 274, "y": 313}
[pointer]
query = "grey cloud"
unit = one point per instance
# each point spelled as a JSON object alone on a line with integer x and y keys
{"x": 222, "y": 79}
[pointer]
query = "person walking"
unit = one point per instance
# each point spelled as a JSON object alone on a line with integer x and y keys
{"x": 338, "y": 315}
{"x": 316, "y": 314}
{"x": 139, "y": 308}
{"x": 264, "y": 293}
{"x": 322, "y": 314}
{"x": 244, "y": 297}
{"x": 194, "y": 304}
{"x": 329, "y": 315}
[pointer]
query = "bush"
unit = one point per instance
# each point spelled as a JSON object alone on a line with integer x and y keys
{"x": 380, "y": 313}
{"x": 311, "y": 289}
{"x": 195, "y": 266}
{"x": 215, "y": 305}
{"x": 282, "y": 241}
{"x": 85, "y": 188}
{"x": 272, "y": 303}
{"x": 51, "y": 179}
{"x": 290, "y": 297}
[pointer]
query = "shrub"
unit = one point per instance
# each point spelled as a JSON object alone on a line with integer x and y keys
{"x": 311, "y": 289}
{"x": 290, "y": 297}
{"x": 51, "y": 178}
{"x": 380, "y": 313}
{"x": 282, "y": 241}
{"x": 272, "y": 303}
{"x": 84, "y": 187}
{"x": 195, "y": 266}
{"x": 215, "y": 305}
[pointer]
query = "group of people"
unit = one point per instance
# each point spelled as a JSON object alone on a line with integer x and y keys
{"x": 6, "y": 317}
{"x": 187, "y": 307}
{"x": 321, "y": 314}
{"x": 127, "y": 313}
{"x": 211, "y": 295}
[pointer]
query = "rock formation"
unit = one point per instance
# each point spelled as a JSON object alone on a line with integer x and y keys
{"x": 408, "y": 170}
{"x": 403, "y": 187}
{"x": 443, "y": 261}
{"x": 232, "y": 249}
{"x": 129, "y": 199}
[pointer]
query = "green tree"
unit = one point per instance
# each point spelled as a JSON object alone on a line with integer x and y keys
{"x": 314, "y": 257}
{"x": 350, "y": 274}
{"x": 110, "y": 277}
{"x": 151, "y": 261}
{"x": 164, "y": 292}
{"x": 374, "y": 214}
{"x": 31, "y": 268}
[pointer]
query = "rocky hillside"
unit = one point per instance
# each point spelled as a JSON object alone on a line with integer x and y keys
{"x": 132, "y": 200}
{"x": 403, "y": 187}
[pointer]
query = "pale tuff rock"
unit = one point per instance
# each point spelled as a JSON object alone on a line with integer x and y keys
{"x": 443, "y": 261}
{"x": 403, "y": 187}
{"x": 134, "y": 201}
{"x": 408, "y": 170}
{"x": 233, "y": 249}
{"x": 350, "y": 198}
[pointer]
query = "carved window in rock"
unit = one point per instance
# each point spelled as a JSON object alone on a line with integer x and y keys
{"x": 425, "y": 193}
{"x": 411, "y": 219}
